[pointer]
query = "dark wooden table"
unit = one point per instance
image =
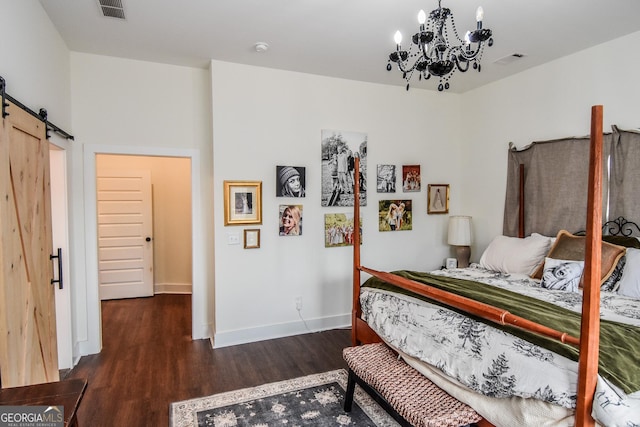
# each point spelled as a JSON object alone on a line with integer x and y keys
{"x": 67, "y": 393}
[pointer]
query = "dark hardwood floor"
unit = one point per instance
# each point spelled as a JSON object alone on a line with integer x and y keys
{"x": 149, "y": 360}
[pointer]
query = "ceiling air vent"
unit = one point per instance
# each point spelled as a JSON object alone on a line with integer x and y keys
{"x": 510, "y": 58}
{"x": 112, "y": 8}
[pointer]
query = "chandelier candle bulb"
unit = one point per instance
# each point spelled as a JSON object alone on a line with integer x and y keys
{"x": 422, "y": 18}
{"x": 479, "y": 16}
{"x": 397, "y": 37}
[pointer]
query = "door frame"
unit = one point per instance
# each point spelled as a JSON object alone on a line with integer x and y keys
{"x": 199, "y": 324}
{"x": 60, "y": 227}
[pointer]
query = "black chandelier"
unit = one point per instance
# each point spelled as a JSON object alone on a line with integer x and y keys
{"x": 440, "y": 50}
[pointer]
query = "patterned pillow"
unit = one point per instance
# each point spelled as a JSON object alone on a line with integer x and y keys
{"x": 561, "y": 274}
{"x": 572, "y": 248}
{"x": 613, "y": 282}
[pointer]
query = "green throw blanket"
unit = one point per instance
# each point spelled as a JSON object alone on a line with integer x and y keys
{"x": 619, "y": 360}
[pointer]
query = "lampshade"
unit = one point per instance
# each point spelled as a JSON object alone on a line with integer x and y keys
{"x": 459, "y": 230}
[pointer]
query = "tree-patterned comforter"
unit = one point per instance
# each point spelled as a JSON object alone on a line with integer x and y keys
{"x": 494, "y": 362}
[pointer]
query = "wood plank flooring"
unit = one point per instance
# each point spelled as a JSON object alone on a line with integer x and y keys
{"x": 149, "y": 360}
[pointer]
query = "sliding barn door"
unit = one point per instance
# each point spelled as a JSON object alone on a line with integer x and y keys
{"x": 28, "y": 349}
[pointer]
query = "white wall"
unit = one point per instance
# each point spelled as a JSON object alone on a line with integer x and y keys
{"x": 35, "y": 60}
{"x": 134, "y": 107}
{"x": 263, "y": 118}
{"x": 547, "y": 102}
{"x": 35, "y": 66}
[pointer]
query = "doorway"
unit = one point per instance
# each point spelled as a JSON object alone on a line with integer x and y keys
{"x": 200, "y": 327}
{"x": 144, "y": 225}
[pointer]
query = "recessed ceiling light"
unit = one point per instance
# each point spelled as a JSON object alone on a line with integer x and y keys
{"x": 261, "y": 47}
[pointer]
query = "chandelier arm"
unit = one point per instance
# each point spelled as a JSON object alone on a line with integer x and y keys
{"x": 464, "y": 70}
{"x": 424, "y": 51}
{"x": 469, "y": 55}
{"x": 402, "y": 66}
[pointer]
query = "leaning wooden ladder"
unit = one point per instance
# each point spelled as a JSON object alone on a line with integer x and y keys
{"x": 588, "y": 342}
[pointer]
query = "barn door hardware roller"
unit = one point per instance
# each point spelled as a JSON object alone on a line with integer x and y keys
{"x": 42, "y": 115}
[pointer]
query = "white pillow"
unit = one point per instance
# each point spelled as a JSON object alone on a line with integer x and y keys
{"x": 514, "y": 255}
{"x": 629, "y": 284}
{"x": 561, "y": 275}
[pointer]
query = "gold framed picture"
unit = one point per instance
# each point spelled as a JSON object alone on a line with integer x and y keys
{"x": 252, "y": 238}
{"x": 438, "y": 199}
{"x": 242, "y": 202}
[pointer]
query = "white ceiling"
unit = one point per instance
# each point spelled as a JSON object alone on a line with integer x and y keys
{"x": 348, "y": 39}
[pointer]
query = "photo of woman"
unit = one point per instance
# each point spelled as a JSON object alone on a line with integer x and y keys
{"x": 244, "y": 203}
{"x": 290, "y": 220}
{"x": 438, "y": 198}
{"x": 394, "y": 215}
{"x": 290, "y": 181}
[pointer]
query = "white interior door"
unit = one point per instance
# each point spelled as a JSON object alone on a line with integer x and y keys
{"x": 125, "y": 241}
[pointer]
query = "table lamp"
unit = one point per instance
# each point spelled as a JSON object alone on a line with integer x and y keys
{"x": 460, "y": 237}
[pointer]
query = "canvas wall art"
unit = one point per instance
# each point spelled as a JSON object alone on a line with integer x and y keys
{"x": 339, "y": 229}
{"x": 386, "y": 179}
{"x": 290, "y": 220}
{"x": 410, "y": 178}
{"x": 338, "y": 174}
{"x": 290, "y": 181}
{"x": 395, "y": 215}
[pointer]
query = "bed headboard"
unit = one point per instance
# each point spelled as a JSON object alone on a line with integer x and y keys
{"x": 617, "y": 227}
{"x": 621, "y": 227}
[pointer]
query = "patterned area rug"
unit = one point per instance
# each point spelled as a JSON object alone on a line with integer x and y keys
{"x": 314, "y": 400}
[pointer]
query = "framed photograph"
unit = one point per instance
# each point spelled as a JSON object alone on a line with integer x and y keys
{"x": 339, "y": 149}
{"x": 338, "y": 230}
{"x": 410, "y": 178}
{"x": 252, "y": 238}
{"x": 438, "y": 199}
{"x": 242, "y": 202}
{"x": 290, "y": 220}
{"x": 386, "y": 179}
{"x": 394, "y": 215}
{"x": 290, "y": 181}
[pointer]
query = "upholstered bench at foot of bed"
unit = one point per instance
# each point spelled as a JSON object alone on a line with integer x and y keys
{"x": 403, "y": 390}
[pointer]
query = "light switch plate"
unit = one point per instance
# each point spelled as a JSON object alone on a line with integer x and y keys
{"x": 233, "y": 238}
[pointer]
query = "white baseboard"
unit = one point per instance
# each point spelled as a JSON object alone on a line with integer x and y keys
{"x": 244, "y": 336}
{"x": 172, "y": 288}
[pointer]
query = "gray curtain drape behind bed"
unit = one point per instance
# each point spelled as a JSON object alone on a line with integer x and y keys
{"x": 625, "y": 175}
{"x": 556, "y": 175}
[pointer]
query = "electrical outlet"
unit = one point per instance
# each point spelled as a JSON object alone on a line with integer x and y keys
{"x": 298, "y": 301}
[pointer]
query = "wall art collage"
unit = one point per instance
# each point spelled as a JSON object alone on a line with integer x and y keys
{"x": 243, "y": 199}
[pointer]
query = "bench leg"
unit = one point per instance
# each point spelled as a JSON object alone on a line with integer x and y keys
{"x": 351, "y": 386}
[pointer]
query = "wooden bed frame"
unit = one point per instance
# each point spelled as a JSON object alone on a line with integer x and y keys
{"x": 588, "y": 346}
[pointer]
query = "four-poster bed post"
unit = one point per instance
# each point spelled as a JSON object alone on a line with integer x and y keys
{"x": 589, "y": 334}
{"x": 590, "y": 326}
{"x": 521, "y": 201}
